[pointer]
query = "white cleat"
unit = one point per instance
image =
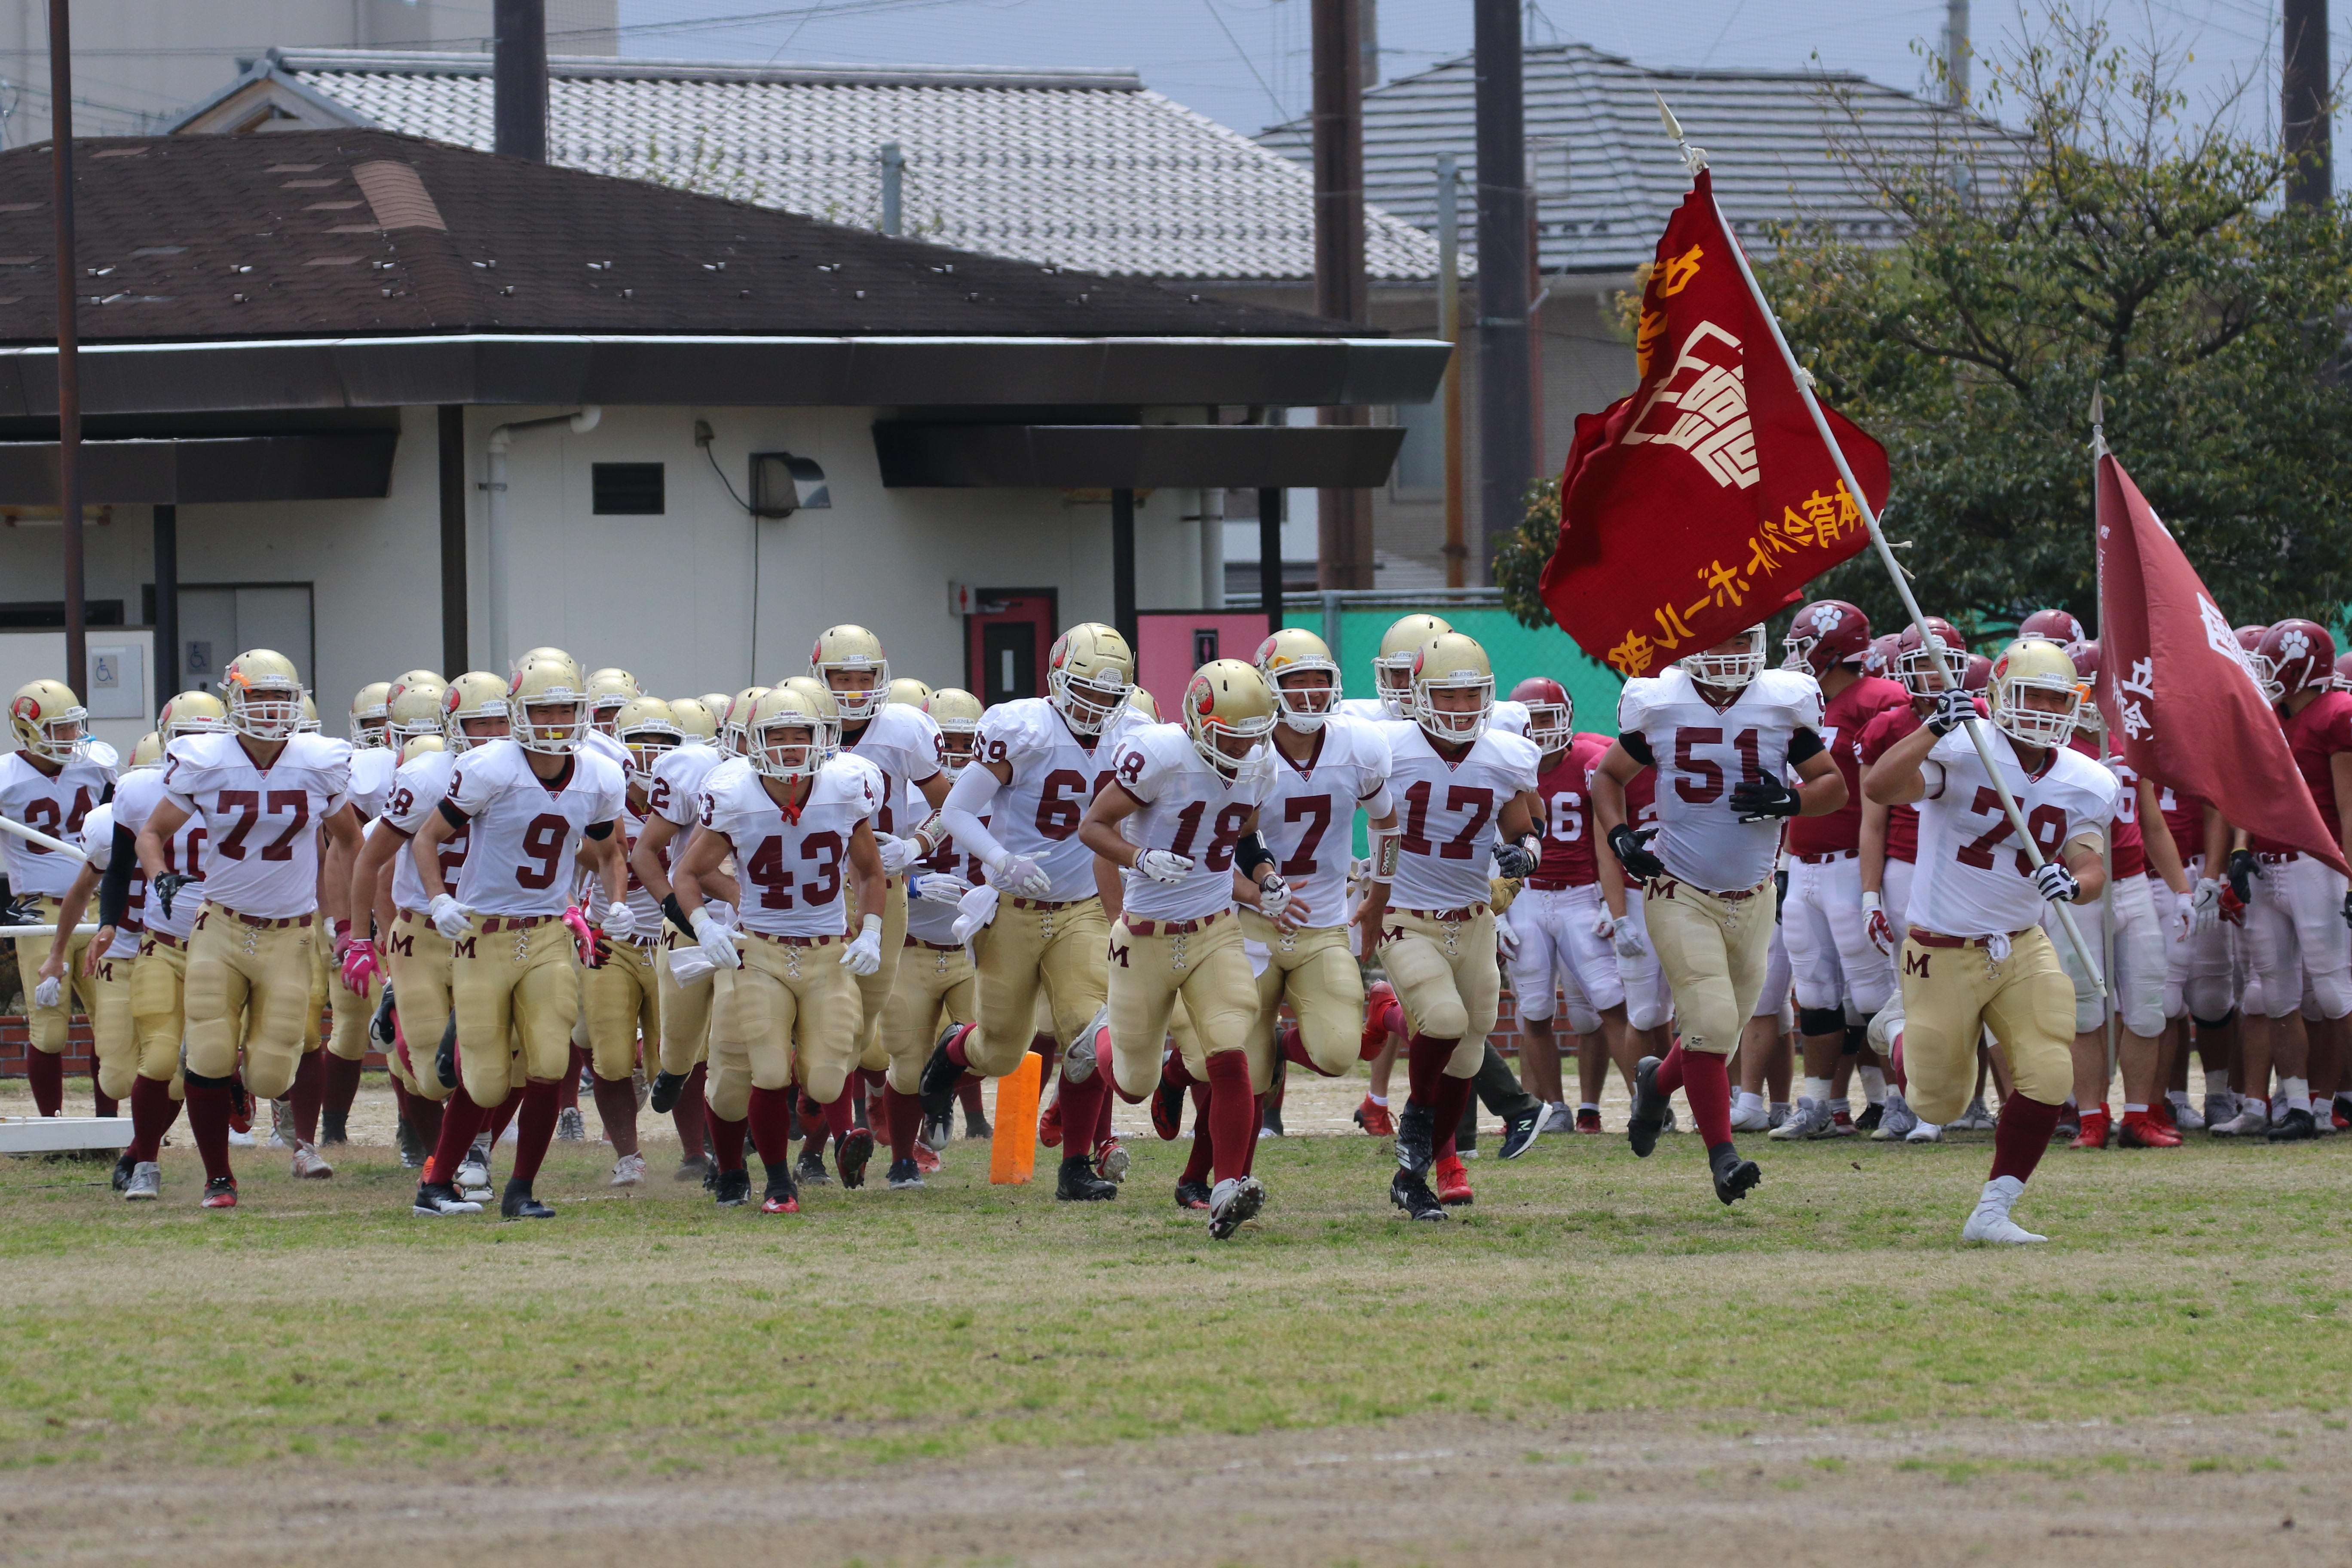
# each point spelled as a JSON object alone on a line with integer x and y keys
{"x": 310, "y": 1165}
{"x": 239, "y": 1139}
{"x": 1975, "y": 1119}
{"x": 2185, "y": 1117}
{"x": 146, "y": 1183}
{"x": 628, "y": 1170}
{"x": 1089, "y": 1048}
{"x": 2252, "y": 1121}
{"x": 571, "y": 1127}
{"x": 1990, "y": 1221}
{"x": 1810, "y": 1119}
{"x": 1897, "y": 1119}
{"x": 1235, "y": 1200}
{"x": 281, "y": 1126}
{"x": 1756, "y": 1117}
{"x": 1925, "y": 1132}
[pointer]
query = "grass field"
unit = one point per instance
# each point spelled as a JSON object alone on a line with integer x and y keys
{"x": 647, "y": 1338}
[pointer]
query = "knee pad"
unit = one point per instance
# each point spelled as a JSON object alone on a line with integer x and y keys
{"x": 1583, "y": 1020}
{"x": 2214, "y": 1025}
{"x": 1820, "y": 1020}
{"x": 1537, "y": 1006}
{"x": 1857, "y": 1035}
{"x": 198, "y": 1081}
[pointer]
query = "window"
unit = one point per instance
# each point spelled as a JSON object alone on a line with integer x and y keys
{"x": 629, "y": 489}
{"x": 1421, "y": 461}
{"x": 36, "y": 614}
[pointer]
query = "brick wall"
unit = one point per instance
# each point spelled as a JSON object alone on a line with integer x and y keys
{"x": 16, "y": 1040}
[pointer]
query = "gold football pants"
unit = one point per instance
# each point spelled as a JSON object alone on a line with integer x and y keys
{"x": 251, "y": 986}
{"x": 1951, "y": 994}
{"x": 931, "y": 979}
{"x": 1059, "y": 949}
{"x": 1446, "y": 978}
{"x": 419, "y": 958}
{"x": 158, "y": 1005}
{"x": 874, "y": 990}
{"x": 113, "y": 1039}
{"x": 791, "y": 1011}
{"x": 1147, "y": 974}
{"x": 683, "y": 1010}
{"x": 622, "y": 1002}
{"x": 48, "y": 1025}
{"x": 1714, "y": 952}
{"x": 1313, "y": 971}
{"x": 515, "y": 993}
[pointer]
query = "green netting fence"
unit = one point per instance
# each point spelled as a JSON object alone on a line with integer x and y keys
{"x": 1518, "y": 651}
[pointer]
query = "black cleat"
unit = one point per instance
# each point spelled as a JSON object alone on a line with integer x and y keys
{"x": 976, "y": 1126}
{"x": 335, "y": 1127}
{"x": 122, "y": 1168}
{"x": 667, "y": 1087}
{"x": 937, "y": 1132}
{"x": 439, "y": 1200}
{"x": 1191, "y": 1194}
{"x": 732, "y": 1189}
{"x": 1411, "y": 1193}
{"x": 1870, "y": 1117}
{"x": 1519, "y": 1133}
{"x": 905, "y": 1174}
{"x": 412, "y": 1150}
{"x": 1733, "y": 1175}
{"x": 1080, "y": 1183}
{"x": 444, "y": 1060}
{"x": 517, "y": 1203}
{"x": 1414, "y": 1138}
{"x": 2294, "y": 1128}
{"x": 695, "y": 1168}
{"x": 220, "y": 1193}
{"x": 1271, "y": 1125}
{"x": 811, "y": 1170}
{"x": 1650, "y": 1107}
{"x": 1168, "y": 1109}
{"x": 781, "y": 1196}
{"x": 937, "y": 1087}
{"x": 850, "y": 1154}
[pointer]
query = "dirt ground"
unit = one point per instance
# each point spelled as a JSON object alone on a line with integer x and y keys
{"x": 1613, "y": 1488}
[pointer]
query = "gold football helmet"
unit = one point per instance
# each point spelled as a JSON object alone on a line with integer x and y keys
{"x": 1449, "y": 662}
{"x": 50, "y": 720}
{"x": 191, "y": 713}
{"x": 548, "y": 704}
{"x": 2028, "y": 666}
{"x": 1730, "y": 664}
{"x": 644, "y": 726}
{"x": 1087, "y": 675}
{"x": 530, "y": 654}
{"x": 417, "y": 746}
{"x": 906, "y": 688}
{"x": 734, "y": 731}
{"x": 371, "y": 711}
{"x": 957, "y": 714}
{"x": 415, "y": 708}
{"x": 1144, "y": 703}
{"x": 265, "y": 695}
{"x": 476, "y": 709}
{"x": 310, "y": 725}
{"x": 851, "y": 654}
{"x": 792, "y": 730}
{"x": 695, "y": 719}
{"x": 1229, "y": 712}
{"x": 147, "y": 754}
{"x": 717, "y": 702}
{"x": 1294, "y": 654}
{"x": 1392, "y": 666}
{"x": 609, "y": 691}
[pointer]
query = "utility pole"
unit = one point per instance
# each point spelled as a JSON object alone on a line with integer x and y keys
{"x": 519, "y": 78}
{"x": 1505, "y": 422}
{"x": 61, "y": 196}
{"x": 1343, "y": 517}
{"x": 2303, "y": 108}
{"x": 1449, "y": 327}
{"x": 1956, "y": 52}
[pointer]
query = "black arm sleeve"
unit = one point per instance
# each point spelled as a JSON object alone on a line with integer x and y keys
{"x": 452, "y": 815}
{"x": 1805, "y": 744}
{"x": 599, "y": 831}
{"x": 1250, "y": 854}
{"x": 114, "y": 892}
{"x": 1637, "y": 746}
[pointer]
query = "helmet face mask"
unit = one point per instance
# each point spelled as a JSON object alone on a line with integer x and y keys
{"x": 263, "y": 696}
{"x": 792, "y": 731}
{"x": 1824, "y": 635}
{"x": 192, "y": 714}
{"x": 2035, "y": 694}
{"x": 1088, "y": 675}
{"x": 1392, "y": 666}
{"x": 645, "y": 727}
{"x": 957, "y": 712}
{"x": 475, "y": 708}
{"x": 547, "y": 707}
{"x": 1551, "y": 713}
{"x": 371, "y": 716}
{"x": 1229, "y": 713}
{"x": 1453, "y": 688}
{"x": 415, "y": 708}
{"x": 610, "y": 691}
{"x": 734, "y": 729}
{"x": 2294, "y": 656}
{"x": 1915, "y": 667}
{"x": 49, "y": 721}
{"x": 849, "y": 662}
{"x": 1298, "y": 664}
{"x": 1730, "y": 664}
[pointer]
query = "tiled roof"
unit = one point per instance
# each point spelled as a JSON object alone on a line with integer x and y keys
{"x": 358, "y": 233}
{"x": 1084, "y": 169}
{"x": 1606, "y": 176}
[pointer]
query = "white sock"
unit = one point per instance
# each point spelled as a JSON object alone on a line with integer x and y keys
{"x": 2179, "y": 1097}
{"x": 1874, "y": 1084}
{"x": 2296, "y": 1092}
{"x": 2132, "y": 1109}
{"x": 1748, "y": 1099}
{"x": 1589, "y": 1105}
{"x": 1817, "y": 1090}
{"x": 1376, "y": 1100}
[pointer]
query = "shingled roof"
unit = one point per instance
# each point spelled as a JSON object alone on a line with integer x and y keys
{"x": 358, "y": 233}
{"x": 1081, "y": 168}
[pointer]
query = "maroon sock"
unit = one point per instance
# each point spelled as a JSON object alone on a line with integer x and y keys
{"x": 1707, "y": 1087}
{"x": 2022, "y": 1135}
{"x": 838, "y": 1117}
{"x": 688, "y": 1115}
{"x": 106, "y": 1104}
{"x": 1452, "y": 1097}
{"x": 1204, "y": 1140}
{"x": 726, "y": 1141}
{"x": 308, "y": 1092}
{"x": 1669, "y": 1075}
{"x": 1102, "y": 1117}
{"x": 616, "y": 1107}
{"x": 48, "y": 1075}
{"x": 342, "y": 1086}
{"x": 536, "y": 1128}
{"x": 460, "y": 1120}
{"x": 1257, "y": 1130}
{"x": 423, "y": 1116}
{"x": 500, "y": 1114}
{"x": 568, "y": 1088}
{"x": 208, "y": 1120}
{"x": 1425, "y": 1064}
{"x": 152, "y": 1111}
{"x": 903, "y": 1114}
{"x": 770, "y": 1120}
{"x": 955, "y": 1047}
{"x": 1081, "y": 1109}
{"x": 1232, "y": 1112}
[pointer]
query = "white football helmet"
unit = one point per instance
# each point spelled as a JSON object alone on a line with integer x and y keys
{"x": 1731, "y": 664}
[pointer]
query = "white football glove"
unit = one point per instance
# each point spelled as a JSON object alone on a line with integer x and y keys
{"x": 1629, "y": 937}
{"x": 2203, "y": 912}
{"x": 898, "y": 854}
{"x": 1507, "y": 939}
{"x": 938, "y": 888}
{"x": 1020, "y": 874}
{"x": 47, "y": 992}
{"x": 717, "y": 946}
{"x": 449, "y": 916}
{"x": 1876, "y": 926}
{"x": 863, "y": 956}
{"x": 688, "y": 964}
{"x": 1161, "y": 866}
{"x": 2056, "y": 883}
{"x": 724, "y": 913}
{"x": 620, "y": 921}
{"x": 1274, "y": 896}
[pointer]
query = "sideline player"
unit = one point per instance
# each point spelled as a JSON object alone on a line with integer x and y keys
{"x": 52, "y": 783}
{"x": 1722, "y": 732}
{"x": 621, "y": 997}
{"x": 112, "y": 953}
{"x": 1976, "y": 954}
{"x": 935, "y": 986}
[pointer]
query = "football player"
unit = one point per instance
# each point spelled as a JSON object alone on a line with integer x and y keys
{"x": 1391, "y": 697}
{"x": 532, "y": 804}
{"x": 1840, "y": 978}
{"x": 1723, "y": 732}
{"x": 1976, "y": 954}
{"x": 1179, "y": 819}
{"x": 935, "y": 980}
{"x": 798, "y": 818}
{"x": 2200, "y": 996}
{"x": 1462, "y": 796}
{"x": 1039, "y": 761}
{"x": 263, "y": 791}
{"x": 52, "y": 783}
{"x": 610, "y": 689}
{"x": 621, "y": 995}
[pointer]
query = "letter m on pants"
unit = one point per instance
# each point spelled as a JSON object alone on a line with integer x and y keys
{"x": 1916, "y": 964}
{"x": 464, "y": 949}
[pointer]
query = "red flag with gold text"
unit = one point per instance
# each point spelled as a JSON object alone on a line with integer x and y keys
{"x": 1705, "y": 501}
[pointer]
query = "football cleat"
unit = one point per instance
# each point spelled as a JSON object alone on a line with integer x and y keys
{"x": 1751, "y": 1117}
{"x": 905, "y": 1174}
{"x": 1734, "y": 1177}
{"x": 412, "y": 1148}
{"x": 1588, "y": 1120}
{"x": 1778, "y": 1116}
{"x": 335, "y": 1127}
{"x": 1049, "y": 1121}
{"x": 2293, "y": 1127}
{"x": 781, "y": 1197}
{"x": 121, "y": 1177}
{"x": 1235, "y": 1201}
{"x": 1375, "y": 1119}
{"x": 1898, "y": 1120}
{"x": 517, "y": 1203}
{"x": 1975, "y": 1119}
{"x": 1452, "y": 1182}
{"x": 1168, "y": 1106}
{"x": 1111, "y": 1161}
{"x": 1192, "y": 1195}
{"x": 2139, "y": 1130}
{"x": 2092, "y": 1132}
{"x": 733, "y": 1189}
{"x": 571, "y": 1127}
{"x": 310, "y": 1165}
{"x": 1926, "y": 1132}
{"x": 1090, "y": 1049}
{"x": 281, "y": 1125}
{"x": 1270, "y": 1126}
{"x": 1649, "y": 1114}
{"x": 628, "y": 1170}
{"x": 667, "y": 1087}
{"x": 220, "y": 1193}
{"x": 2251, "y": 1118}
{"x": 1810, "y": 1120}
{"x": 1842, "y": 1123}
{"x": 938, "y": 1131}
{"x": 1408, "y": 1191}
{"x": 975, "y": 1125}
{"x": 811, "y": 1169}
{"x": 145, "y": 1183}
{"x": 856, "y": 1147}
{"x": 1990, "y": 1220}
{"x": 927, "y": 1159}
{"x": 2219, "y": 1108}
{"x": 240, "y": 1108}
{"x": 1079, "y": 1184}
{"x": 439, "y": 1200}
{"x": 1415, "y": 1137}
{"x": 1868, "y": 1121}
{"x": 1557, "y": 1118}
{"x": 937, "y": 1087}
{"x": 474, "y": 1170}
{"x": 1519, "y": 1133}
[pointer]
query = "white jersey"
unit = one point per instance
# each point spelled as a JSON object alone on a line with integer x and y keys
{"x": 1306, "y": 816}
{"x": 1448, "y": 814}
{"x": 1972, "y": 879}
{"x": 373, "y": 769}
{"x": 609, "y": 748}
{"x": 794, "y": 873}
{"x": 641, "y": 901}
{"x": 1511, "y": 718}
{"x": 525, "y": 829}
{"x": 57, "y": 806}
{"x": 261, "y": 827}
{"x": 1053, "y": 778}
{"x": 676, "y": 793}
{"x": 928, "y": 921}
{"x": 902, "y": 742}
{"x": 1367, "y": 710}
{"x": 1701, "y": 752}
{"x": 1189, "y": 809}
{"x": 98, "y": 843}
{"x": 417, "y": 791}
{"x": 183, "y": 853}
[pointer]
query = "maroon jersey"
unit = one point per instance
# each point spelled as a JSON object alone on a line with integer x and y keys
{"x": 1877, "y": 738}
{"x": 2185, "y": 816}
{"x": 1566, "y": 791}
{"x": 2130, "y": 844}
{"x": 1843, "y": 719}
{"x": 2315, "y": 735}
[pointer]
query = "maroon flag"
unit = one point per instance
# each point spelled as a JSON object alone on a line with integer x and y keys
{"x": 2176, "y": 686}
{"x": 1705, "y": 500}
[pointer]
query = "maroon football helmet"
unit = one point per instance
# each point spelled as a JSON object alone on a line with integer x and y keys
{"x": 1879, "y": 658}
{"x": 2056, "y": 625}
{"x": 2344, "y": 670}
{"x": 1826, "y": 634}
{"x": 2250, "y": 638}
{"x": 2293, "y": 655}
{"x": 1911, "y": 663}
{"x": 1979, "y": 675}
{"x": 2085, "y": 655}
{"x": 1551, "y": 713}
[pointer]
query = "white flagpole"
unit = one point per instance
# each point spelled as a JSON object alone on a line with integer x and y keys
{"x": 34, "y": 836}
{"x": 1696, "y": 159}
{"x": 2107, "y": 848}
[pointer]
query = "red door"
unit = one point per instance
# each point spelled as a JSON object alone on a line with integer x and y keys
{"x": 1006, "y": 638}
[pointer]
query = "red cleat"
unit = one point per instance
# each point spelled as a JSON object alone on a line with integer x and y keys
{"x": 1588, "y": 1120}
{"x": 771, "y": 1204}
{"x": 2141, "y": 1130}
{"x": 927, "y": 1159}
{"x": 1453, "y": 1181}
{"x": 1378, "y": 1002}
{"x": 2336, "y": 1113}
{"x": 220, "y": 1193}
{"x": 1374, "y": 1118}
{"x": 2094, "y": 1134}
{"x": 1049, "y": 1125}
